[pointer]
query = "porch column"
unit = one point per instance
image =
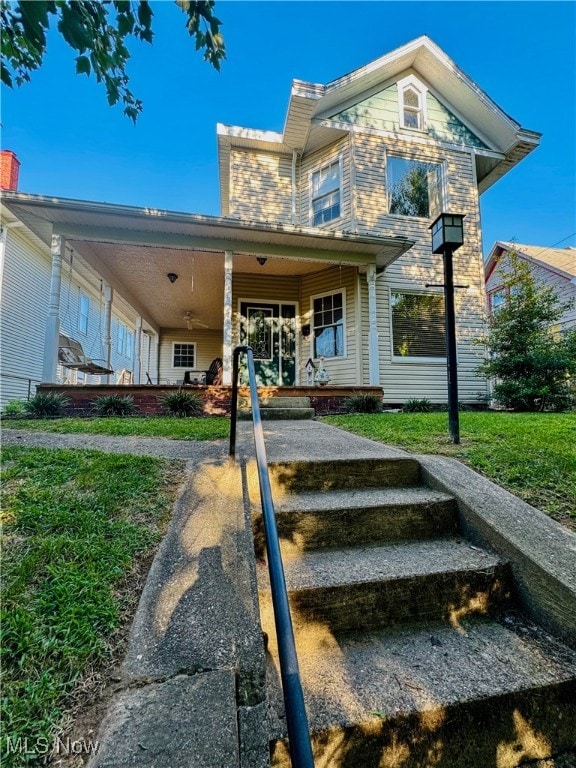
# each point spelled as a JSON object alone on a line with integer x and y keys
{"x": 373, "y": 361}
{"x": 138, "y": 350}
{"x": 50, "y": 363}
{"x": 227, "y": 340}
{"x": 107, "y": 335}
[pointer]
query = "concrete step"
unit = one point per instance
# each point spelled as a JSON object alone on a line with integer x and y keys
{"x": 318, "y": 519}
{"x": 280, "y": 414}
{"x": 356, "y": 588}
{"x": 245, "y": 403}
{"x": 476, "y": 694}
{"x": 297, "y": 476}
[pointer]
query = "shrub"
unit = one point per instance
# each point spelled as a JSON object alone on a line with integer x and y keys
{"x": 46, "y": 404}
{"x": 115, "y": 405}
{"x": 363, "y": 404}
{"x": 531, "y": 363}
{"x": 14, "y": 408}
{"x": 183, "y": 404}
{"x": 415, "y": 405}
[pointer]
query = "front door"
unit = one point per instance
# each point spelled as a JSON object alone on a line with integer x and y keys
{"x": 270, "y": 329}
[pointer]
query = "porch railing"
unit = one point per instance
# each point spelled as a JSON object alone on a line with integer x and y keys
{"x": 296, "y": 718}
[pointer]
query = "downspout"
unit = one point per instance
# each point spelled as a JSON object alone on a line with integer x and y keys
{"x": 294, "y": 161}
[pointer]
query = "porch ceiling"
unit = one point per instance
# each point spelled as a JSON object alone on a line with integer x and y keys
{"x": 134, "y": 248}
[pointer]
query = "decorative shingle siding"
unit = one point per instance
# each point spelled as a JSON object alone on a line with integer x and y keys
{"x": 261, "y": 186}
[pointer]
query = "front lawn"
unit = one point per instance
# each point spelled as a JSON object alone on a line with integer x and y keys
{"x": 533, "y": 455}
{"x": 205, "y": 428}
{"x": 78, "y": 528}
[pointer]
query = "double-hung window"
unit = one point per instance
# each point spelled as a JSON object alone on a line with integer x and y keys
{"x": 412, "y": 103}
{"x": 326, "y": 194}
{"x": 418, "y": 325}
{"x": 125, "y": 341}
{"x": 83, "y": 313}
{"x": 328, "y": 325}
{"x": 184, "y": 355}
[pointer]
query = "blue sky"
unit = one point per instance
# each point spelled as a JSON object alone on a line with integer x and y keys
{"x": 71, "y": 144}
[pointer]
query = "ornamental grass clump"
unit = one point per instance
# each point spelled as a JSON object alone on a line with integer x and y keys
{"x": 46, "y": 405}
{"x": 183, "y": 404}
{"x": 115, "y": 405}
{"x": 363, "y": 404}
{"x": 418, "y": 405}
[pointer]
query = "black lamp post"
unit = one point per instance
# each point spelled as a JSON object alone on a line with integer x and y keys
{"x": 447, "y": 236}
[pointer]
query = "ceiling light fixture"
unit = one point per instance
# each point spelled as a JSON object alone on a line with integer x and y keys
{"x": 261, "y": 260}
{"x": 172, "y": 276}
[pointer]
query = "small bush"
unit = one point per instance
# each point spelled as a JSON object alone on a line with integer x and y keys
{"x": 183, "y": 404}
{"x": 115, "y": 405}
{"x": 415, "y": 405}
{"x": 14, "y": 408}
{"x": 46, "y": 404}
{"x": 363, "y": 404}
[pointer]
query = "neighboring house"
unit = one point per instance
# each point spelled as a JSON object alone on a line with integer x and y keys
{"x": 554, "y": 267}
{"x": 322, "y": 250}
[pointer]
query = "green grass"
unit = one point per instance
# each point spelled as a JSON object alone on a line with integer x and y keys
{"x": 205, "y": 428}
{"x": 75, "y": 524}
{"x": 532, "y": 455}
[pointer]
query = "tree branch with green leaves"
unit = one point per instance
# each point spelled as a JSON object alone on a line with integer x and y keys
{"x": 98, "y": 31}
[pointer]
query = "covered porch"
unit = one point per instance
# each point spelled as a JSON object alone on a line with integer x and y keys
{"x": 195, "y": 286}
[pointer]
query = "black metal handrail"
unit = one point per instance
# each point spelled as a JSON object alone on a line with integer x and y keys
{"x": 296, "y": 718}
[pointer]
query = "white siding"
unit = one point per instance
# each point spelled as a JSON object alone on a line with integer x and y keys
{"x": 208, "y": 346}
{"x": 408, "y": 379}
{"x": 342, "y": 370}
{"x": 25, "y": 291}
{"x": 261, "y": 186}
{"x": 315, "y": 161}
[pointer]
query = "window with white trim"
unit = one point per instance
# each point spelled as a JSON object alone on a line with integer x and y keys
{"x": 328, "y": 325}
{"x": 325, "y": 194}
{"x": 498, "y": 299}
{"x": 412, "y": 104}
{"x": 83, "y": 313}
{"x": 418, "y": 325}
{"x": 183, "y": 355}
{"x": 414, "y": 187}
{"x": 125, "y": 341}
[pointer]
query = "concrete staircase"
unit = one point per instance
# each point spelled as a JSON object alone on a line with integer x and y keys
{"x": 411, "y": 650}
{"x": 278, "y": 408}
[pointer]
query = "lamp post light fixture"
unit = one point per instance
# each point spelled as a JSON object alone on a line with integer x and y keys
{"x": 447, "y": 236}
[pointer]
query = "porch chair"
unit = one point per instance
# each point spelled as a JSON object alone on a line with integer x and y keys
{"x": 214, "y": 373}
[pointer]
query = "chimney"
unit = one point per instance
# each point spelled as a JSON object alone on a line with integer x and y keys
{"x": 9, "y": 170}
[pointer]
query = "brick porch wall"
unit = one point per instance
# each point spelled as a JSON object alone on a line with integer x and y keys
{"x": 148, "y": 398}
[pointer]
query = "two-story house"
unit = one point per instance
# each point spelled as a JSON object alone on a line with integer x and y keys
{"x": 322, "y": 249}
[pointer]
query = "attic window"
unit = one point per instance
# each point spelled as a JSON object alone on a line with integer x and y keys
{"x": 412, "y": 117}
{"x": 412, "y": 104}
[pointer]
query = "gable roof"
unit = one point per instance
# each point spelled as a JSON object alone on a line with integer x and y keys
{"x": 559, "y": 261}
{"x": 307, "y": 126}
